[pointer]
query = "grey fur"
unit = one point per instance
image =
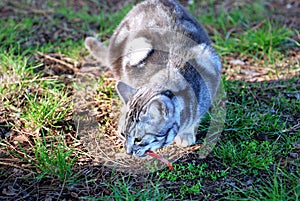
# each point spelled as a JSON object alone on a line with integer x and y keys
{"x": 168, "y": 74}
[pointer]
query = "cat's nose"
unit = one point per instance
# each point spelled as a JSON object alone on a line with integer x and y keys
{"x": 135, "y": 151}
{"x": 138, "y": 152}
{"x": 129, "y": 149}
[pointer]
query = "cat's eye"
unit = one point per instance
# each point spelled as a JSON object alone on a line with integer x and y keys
{"x": 138, "y": 140}
{"x": 123, "y": 136}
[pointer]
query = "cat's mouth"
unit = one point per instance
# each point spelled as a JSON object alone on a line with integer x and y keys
{"x": 140, "y": 153}
{"x": 137, "y": 151}
{"x": 139, "y": 146}
{"x": 143, "y": 156}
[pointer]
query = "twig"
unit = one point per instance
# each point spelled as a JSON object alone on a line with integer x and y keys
{"x": 106, "y": 157}
{"x": 27, "y": 10}
{"x": 58, "y": 61}
{"x": 15, "y": 166}
{"x": 294, "y": 128}
{"x": 258, "y": 25}
{"x": 62, "y": 188}
{"x": 7, "y": 144}
{"x": 30, "y": 81}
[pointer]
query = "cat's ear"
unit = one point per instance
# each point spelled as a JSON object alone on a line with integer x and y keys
{"x": 125, "y": 91}
{"x": 156, "y": 111}
{"x": 160, "y": 107}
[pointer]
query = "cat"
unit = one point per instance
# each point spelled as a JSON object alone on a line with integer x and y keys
{"x": 167, "y": 71}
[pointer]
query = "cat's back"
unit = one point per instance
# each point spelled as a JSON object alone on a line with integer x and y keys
{"x": 141, "y": 44}
{"x": 166, "y": 15}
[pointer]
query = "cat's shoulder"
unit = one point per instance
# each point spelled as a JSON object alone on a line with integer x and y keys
{"x": 160, "y": 16}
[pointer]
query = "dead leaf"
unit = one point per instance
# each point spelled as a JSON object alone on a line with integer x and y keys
{"x": 20, "y": 139}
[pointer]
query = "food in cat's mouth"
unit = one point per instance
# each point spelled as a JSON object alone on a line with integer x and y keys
{"x": 158, "y": 157}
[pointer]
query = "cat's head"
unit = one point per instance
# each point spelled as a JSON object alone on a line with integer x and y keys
{"x": 149, "y": 119}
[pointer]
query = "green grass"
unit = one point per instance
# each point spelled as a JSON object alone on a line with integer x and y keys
{"x": 54, "y": 157}
{"x": 191, "y": 172}
{"x": 225, "y": 18}
{"x": 245, "y": 29}
{"x": 17, "y": 67}
{"x": 106, "y": 22}
{"x": 21, "y": 82}
{"x": 249, "y": 156}
{"x": 121, "y": 189}
{"x": 280, "y": 185}
{"x": 45, "y": 110}
{"x": 36, "y": 104}
{"x": 265, "y": 42}
{"x": 257, "y": 138}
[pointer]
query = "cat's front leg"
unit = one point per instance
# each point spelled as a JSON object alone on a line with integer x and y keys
{"x": 185, "y": 139}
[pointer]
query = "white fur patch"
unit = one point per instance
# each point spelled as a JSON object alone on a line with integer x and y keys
{"x": 123, "y": 33}
{"x": 137, "y": 50}
{"x": 139, "y": 19}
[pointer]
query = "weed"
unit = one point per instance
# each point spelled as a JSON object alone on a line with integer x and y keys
{"x": 15, "y": 67}
{"x": 264, "y": 42}
{"x": 280, "y": 185}
{"x": 237, "y": 16}
{"x": 46, "y": 110}
{"x": 106, "y": 88}
{"x": 234, "y": 31}
{"x": 121, "y": 189}
{"x": 110, "y": 22}
{"x": 193, "y": 189}
{"x": 251, "y": 155}
{"x": 190, "y": 172}
{"x": 54, "y": 157}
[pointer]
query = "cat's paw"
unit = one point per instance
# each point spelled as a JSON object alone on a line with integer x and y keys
{"x": 185, "y": 139}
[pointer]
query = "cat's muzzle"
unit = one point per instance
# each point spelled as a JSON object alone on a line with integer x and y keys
{"x": 136, "y": 151}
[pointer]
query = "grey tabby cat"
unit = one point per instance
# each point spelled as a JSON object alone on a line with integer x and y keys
{"x": 167, "y": 72}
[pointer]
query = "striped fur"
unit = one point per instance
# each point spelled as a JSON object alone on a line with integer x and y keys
{"x": 168, "y": 74}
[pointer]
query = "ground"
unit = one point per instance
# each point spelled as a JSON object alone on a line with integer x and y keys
{"x": 43, "y": 156}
